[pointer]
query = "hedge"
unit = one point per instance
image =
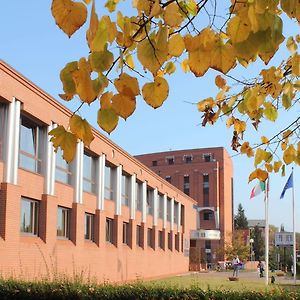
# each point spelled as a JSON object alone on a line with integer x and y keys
{"x": 13, "y": 289}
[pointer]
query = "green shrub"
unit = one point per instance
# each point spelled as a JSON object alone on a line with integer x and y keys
{"x": 12, "y": 289}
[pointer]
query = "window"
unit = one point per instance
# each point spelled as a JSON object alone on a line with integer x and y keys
{"x": 150, "y": 196}
{"x": 31, "y": 137}
{"x": 139, "y": 236}
{"x": 89, "y": 227}
{"x": 63, "y": 222}
{"x": 29, "y": 216}
{"x": 176, "y": 204}
{"x": 160, "y": 206}
{"x": 63, "y": 169}
{"x": 2, "y": 129}
{"x": 207, "y": 157}
{"x": 170, "y": 160}
{"x": 161, "y": 239}
{"x": 169, "y": 209}
{"x": 125, "y": 184}
{"x": 208, "y": 216}
{"x": 186, "y": 184}
{"x": 150, "y": 237}
{"x": 109, "y": 230}
{"x": 154, "y": 163}
{"x": 108, "y": 183}
{"x": 170, "y": 241}
{"x": 168, "y": 178}
{"x": 139, "y": 195}
{"x": 205, "y": 189}
{"x": 126, "y": 233}
{"x": 207, "y": 244}
{"x": 182, "y": 215}
{"x": 192, "y": 243}
{"x": 177, "y": 241}
{"x": 89, "y": 173}
{"x": 187, "y": 159}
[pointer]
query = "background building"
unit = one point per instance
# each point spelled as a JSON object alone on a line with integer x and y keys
{"x": 104, "y": 216}
{"x": 206, "y": 175}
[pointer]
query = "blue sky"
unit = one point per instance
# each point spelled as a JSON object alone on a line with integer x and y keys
{"x": 38, "y": 49}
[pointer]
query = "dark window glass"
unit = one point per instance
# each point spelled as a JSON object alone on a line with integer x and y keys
{"x": 188, "y": 159}
{"x": 89, "y": 173}
{"x": 205, "y": 189}
{"x": 182, "y": 215}
{"x": 109, "y": 230}
{"x": 170, "y": 241}
{"x": 207, "y": 244}
{"x": 154, "y": 163}
{"x": 208, "y": 216}
{"x": 29, "y": 216}
{"x": 31, "y": 137}
{"x": 177, "y": 241}
{"x": 186, "y": 184}
{"x": 63, "y": 222}
{"x": 161, "y": 239}
{"x": 139, "y": 235}
{"x": 192, "y": 243}
{"x": 170, "y": 160}
{"x": 63, "y": 169}
{"x": 150, "y": 237}
{"x": 89, "y": 227}
{"x": 126, "y": 233}
{"x": 207, "y": 157}
{"x": 168, "y": 178}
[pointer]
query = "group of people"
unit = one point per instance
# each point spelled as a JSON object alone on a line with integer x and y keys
{"x": 236, "y": 264}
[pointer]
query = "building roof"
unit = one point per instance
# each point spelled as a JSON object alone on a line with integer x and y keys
{"x": 258, "y": 223}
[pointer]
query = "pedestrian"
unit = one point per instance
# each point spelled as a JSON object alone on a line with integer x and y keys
{"x": 235, "y": 265}
{"x": 260, "y": 266}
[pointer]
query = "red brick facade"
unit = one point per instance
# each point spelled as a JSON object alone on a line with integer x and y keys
{"x": 30, "y": 255}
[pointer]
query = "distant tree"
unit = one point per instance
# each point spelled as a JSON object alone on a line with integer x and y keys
{"x": 240, "y": 220}
{"x": 258, "y": 244}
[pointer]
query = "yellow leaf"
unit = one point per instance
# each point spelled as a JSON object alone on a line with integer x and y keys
{"x": 129, "y": 61}
{"x": 277, "y": 166}
{"x": 172, "y": 15}
{"x": 259, "y": 174}
{"x": 205, "y": 104}
{"x": 69, "y": 15}
{"x": 65, "y": 140}
{"x": 287, "y": 134}
{"x": 100, "y": 37}
{"x": 91, "y": 32}
{"x": 296, "y": 64}
{"x": 239, "y": 126}
{"x": 260, "y": 155}
{"x": 82, "y": 129}
{"x": 101, "y": 60}
{"x": 289, "y": 154}
{"x": 264, "y": 140}
{"x": 107, "y": 119}
{"x": 176, "y": 45}
{"x": 111, "y": 5}
{"x": 185, "y": 66}
{"x": 246, "y": 149}
{"x": 124, "y": 38}
{"x": 123, "y": 105}
{"x": 127, "y": 85}
{"x": 156, "y": 93}
{"x": 220, "y": 82}
{"x": 231, "y": 101}
{"x": 67, "y": 78}
{"x": 283, "y": 145}
{"x": 170, "y": 68}
{"x": 291, "y": 45}
{"x": 238, "y": 29}
{"x": 155, "y": 9}
{"x": 105, "y": 100}
{"x": 230, "y": 121}
{"x": 270, "y": 111}
{"x": 269, "y": 167}
{"x": 199, "y": 61}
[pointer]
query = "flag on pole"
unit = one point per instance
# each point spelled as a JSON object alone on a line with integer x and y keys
{"x": 261, "y": 187}
{"x": 289, "y": 184}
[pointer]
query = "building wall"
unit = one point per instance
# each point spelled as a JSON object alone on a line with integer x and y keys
{"x": 220, "y": 172}
{"x": 44, "y": 254}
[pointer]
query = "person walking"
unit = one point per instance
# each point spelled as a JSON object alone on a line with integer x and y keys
{"x": 235, "y": 265}
{"x": 260, "y": 266}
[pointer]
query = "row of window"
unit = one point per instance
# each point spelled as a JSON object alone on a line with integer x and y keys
{"x": 32, "y": 149}
{"x": 29, "y": 224}
{"x": 170, "y": 160}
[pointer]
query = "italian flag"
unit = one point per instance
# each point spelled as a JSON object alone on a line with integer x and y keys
{"x": 258, "y": 189}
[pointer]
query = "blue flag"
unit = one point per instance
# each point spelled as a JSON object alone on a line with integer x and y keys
{"x": 289, "y": 184}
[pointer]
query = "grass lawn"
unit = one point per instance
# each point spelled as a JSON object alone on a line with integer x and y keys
{"x": 219, "y": 280}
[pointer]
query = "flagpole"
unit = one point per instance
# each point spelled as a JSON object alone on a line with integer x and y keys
{"x": 294, "y": 231}
{"x": 267, "y": 232}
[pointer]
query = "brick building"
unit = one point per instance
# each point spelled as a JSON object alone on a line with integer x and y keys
{"x": 104, "y": 216}
{"x": 206, "y": 176}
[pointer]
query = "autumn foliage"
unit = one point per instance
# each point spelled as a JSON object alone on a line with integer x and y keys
{"x": 161, "y": 36}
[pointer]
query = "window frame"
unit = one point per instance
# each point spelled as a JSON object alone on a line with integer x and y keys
{"x": 125, "y": 189}
{"x": 92, "y": 173}
{"x": 109, "y": 227}
{"x": 139, "y": 236}
{"x": 161, "y": 239}
{"x": 150, "y": 237}
{"x": 89, "y": 223}
{"x": 126, "y": 233}
{"x": 66, "y": 218}
{"x": 34, "y": 217}
{"x": 108, "y": 189}
{"x": 60, "y": 168}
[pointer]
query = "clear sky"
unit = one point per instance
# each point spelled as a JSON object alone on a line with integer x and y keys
{"x": 38, "y": 49}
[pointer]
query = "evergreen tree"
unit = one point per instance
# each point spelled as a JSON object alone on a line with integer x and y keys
{"x": 258, "y": 244}
{"x": 240, "y": 220}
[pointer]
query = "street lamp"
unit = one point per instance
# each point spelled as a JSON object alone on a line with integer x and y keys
{"x": 251, "y": 241}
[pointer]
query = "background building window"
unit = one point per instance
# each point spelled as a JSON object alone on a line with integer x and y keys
{"x": 89, "y": 227}
{"x": 31, "y": 146}
{"x": 207, "y": 216}
{"x": 63, "y": 169}
{"x": 63, "y": 222}
{"x": 139, "y": 236}
{"x": 108, "y": 183}
{"x": 126, "y": 187}
{"x": 89, "y": 173}
{"x": 170, "y": 160}
{"x": 187, "y": 159}
{"x": 126, "y": 233}
{"x": 207, "y": 157}
{"x": 205, "y": 189}
{"x": 186, "y": 184}
{"x": 154, "y": 163}
{"x": 150, "y": 237}
{"x": 109, "y": 230}
{"x": 29, "y": 216}
{"x": 168, "y": 178}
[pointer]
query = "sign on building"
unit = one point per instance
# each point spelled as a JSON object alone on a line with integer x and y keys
{"x": 203, "y": 234}
{"x": 284, "y": 239}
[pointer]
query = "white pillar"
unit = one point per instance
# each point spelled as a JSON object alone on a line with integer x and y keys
{"x": 179, "y": 217}
{"x": 100, "y": 181}
{"x": 172, "y": 214}
{"x": 78, "y": 173}
{"x": 133, "y": 196}
{"x": 118, "y": 207}
{"x": 144, "y": 201}
{"x": 165, "y": 212}
{"x": 155, "y": 206}
{"x": 50, "y": 164}
{"x": 12, "y": 142}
